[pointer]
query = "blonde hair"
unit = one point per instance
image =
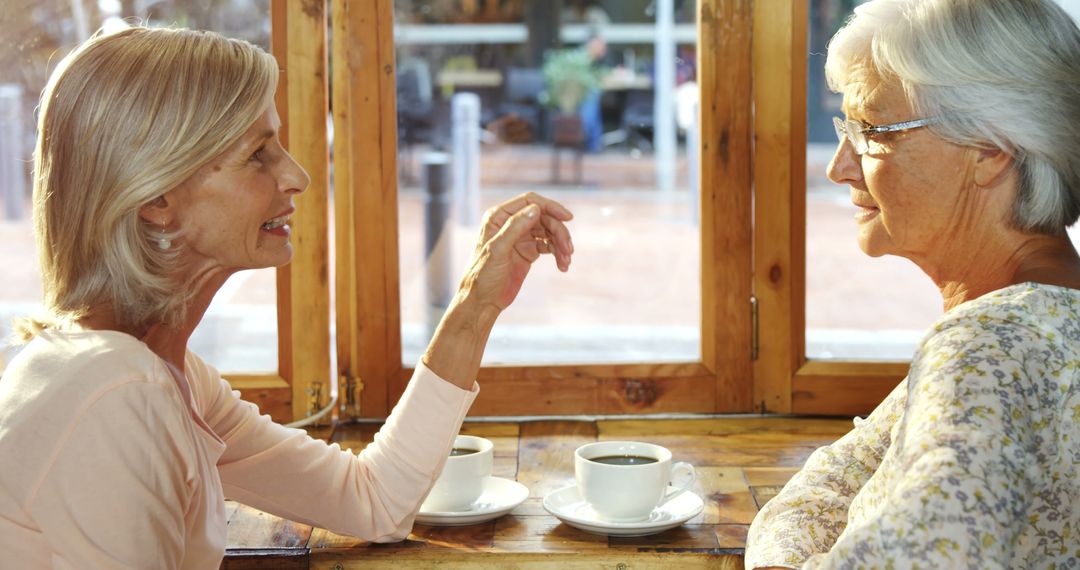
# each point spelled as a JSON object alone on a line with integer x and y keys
{"x": 125, "y": 118}
{"x": 1004, "y": 73}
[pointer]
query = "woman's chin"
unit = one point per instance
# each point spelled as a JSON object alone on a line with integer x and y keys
{"x": 278, "y": 259}
{"x": 281, "y": 258}
{"x": 872, "y": 243}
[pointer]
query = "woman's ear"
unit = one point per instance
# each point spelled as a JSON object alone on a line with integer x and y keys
{"x": 158, "y": 211}
{"x": 991, "y": 164}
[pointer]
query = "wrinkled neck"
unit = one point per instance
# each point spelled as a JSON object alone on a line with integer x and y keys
{"x": 996, "y": 264}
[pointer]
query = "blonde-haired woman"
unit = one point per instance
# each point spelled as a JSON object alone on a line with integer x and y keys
{"x": 158, "y": 173}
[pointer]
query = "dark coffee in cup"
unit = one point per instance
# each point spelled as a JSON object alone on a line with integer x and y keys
{"x": 624, "y": 460}
{"x": 464, "y": 474}
{"x": 625, "y": 481}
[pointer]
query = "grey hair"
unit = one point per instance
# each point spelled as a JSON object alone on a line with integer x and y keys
{"x": 1005, "y": 73}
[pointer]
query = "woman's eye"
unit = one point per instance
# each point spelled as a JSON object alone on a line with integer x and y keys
{"x": 257, "y": 156}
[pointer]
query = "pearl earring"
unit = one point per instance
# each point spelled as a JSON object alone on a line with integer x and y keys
{"x": 163, "y": 243}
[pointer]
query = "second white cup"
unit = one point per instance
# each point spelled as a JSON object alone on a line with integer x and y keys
{"x": 462, "y": 480}
{"x": 623, "y": 481}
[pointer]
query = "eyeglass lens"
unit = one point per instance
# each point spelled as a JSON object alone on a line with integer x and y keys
{"x": 852, "y": 131}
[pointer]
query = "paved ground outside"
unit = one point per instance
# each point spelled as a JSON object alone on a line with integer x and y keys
{"x": 632, "y": 294}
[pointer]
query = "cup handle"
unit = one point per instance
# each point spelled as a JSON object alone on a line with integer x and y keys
{"x": 685, "y": 486}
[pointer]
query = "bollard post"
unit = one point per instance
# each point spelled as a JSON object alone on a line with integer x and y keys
{"x": 12, "y": 169}
{"x": 465, "y": 126}
{"x": 438, "y": 277}
{"x": 664, "y": 135}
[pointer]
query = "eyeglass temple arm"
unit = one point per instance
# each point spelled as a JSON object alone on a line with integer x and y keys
{"x": 899, "y": 126}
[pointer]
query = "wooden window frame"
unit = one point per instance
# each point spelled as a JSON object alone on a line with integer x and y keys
{"x": 302, "y": 382}
{"x": 753, "y": 218}
{"x": 785, "y": 380}
{"x": 369, "y": 333}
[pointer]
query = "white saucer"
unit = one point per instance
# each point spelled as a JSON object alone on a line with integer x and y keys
{"x": 499, "y": 497}
{"x": 568, "y": 506}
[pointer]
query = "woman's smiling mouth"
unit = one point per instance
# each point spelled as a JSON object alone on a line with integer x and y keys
{"x": 278, "y": 226}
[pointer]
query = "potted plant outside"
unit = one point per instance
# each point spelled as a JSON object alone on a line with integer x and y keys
{"x": 569, "y": 76}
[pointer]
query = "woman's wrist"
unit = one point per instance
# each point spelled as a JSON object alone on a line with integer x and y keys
{"x": 457, "y": 346}
{"x": 468, "y": 312}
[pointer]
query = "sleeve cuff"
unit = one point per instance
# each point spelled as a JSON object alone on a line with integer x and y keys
{"x": 424, "y": 377}
{"x": 424, "y": 423}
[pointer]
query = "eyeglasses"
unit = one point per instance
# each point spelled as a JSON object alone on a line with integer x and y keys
{"x": 859, "y": 134}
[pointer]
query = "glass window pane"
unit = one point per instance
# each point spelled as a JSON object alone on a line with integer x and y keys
{"x": 880, "y": 307}
{"x": 481, "y": 119}
{"x": 239, "y": 332}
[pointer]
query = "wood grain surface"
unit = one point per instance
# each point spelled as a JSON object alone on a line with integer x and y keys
{"x": 740, "y": 462}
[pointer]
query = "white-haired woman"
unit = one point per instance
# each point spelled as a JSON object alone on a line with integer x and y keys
{"x": 960, "y": 147}
{"x": 158, "y": 173}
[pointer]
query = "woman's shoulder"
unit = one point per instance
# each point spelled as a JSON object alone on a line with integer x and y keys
{"x": 83, "y": 361}
{"x": 1047, "y": 312}
{"x": 59, "y": 374}
{"x": 1028, "y": 331}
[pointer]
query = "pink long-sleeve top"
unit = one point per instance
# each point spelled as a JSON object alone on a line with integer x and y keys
{"x": 106, "y": 461}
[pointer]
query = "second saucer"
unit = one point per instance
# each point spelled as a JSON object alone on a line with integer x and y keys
{"x": 568, "y": 506}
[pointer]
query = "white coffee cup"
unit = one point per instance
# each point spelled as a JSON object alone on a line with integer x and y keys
{"x": 462, "y": 480}
{"x": 627, "y": 493}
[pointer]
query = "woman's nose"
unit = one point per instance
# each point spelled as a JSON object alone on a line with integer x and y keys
{"x": 845, "y": 166}
{"x": 294, "y": 179}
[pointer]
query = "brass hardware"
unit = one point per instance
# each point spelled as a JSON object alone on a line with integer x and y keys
{"x": 348, "y": 403}
{"x": 754, "y": 328}
{"x": 314, "y": 398}
{"x": 352, "y": 387}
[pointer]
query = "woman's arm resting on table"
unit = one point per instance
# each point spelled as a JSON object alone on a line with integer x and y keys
{"x": 373, "y": 496}
{"x": 965, "y": 456}
{"x": 807, "y": 516}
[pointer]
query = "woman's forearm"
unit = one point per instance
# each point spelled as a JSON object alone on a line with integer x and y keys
{"x": 457, "y": 347}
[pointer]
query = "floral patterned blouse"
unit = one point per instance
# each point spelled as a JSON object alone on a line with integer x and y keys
{"x": 971, "y": 462}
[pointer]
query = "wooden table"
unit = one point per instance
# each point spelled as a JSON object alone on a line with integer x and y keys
{"x": 741, "y": 463}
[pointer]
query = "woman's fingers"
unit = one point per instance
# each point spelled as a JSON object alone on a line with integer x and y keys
{"x": 556, "y": 237}
{"x": 557, "y": 244}
{"x": 559, "y": 232}
{"x": 498, "y": 215}
{"x": 551, "y": 231}
{"x": 547, "y": 206}
{"x": 518, "y": 228}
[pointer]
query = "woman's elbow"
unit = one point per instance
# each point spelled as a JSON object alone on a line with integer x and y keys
{"x": 395, "y": 535}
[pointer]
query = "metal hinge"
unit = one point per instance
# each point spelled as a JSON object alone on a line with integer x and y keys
{"x": 351, "y": 386}
{"x": 314, "y": 398}
{"x": 754, "y": 345}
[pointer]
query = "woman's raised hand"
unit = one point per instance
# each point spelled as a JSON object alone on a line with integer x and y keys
{"x": 514, "y": 235}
